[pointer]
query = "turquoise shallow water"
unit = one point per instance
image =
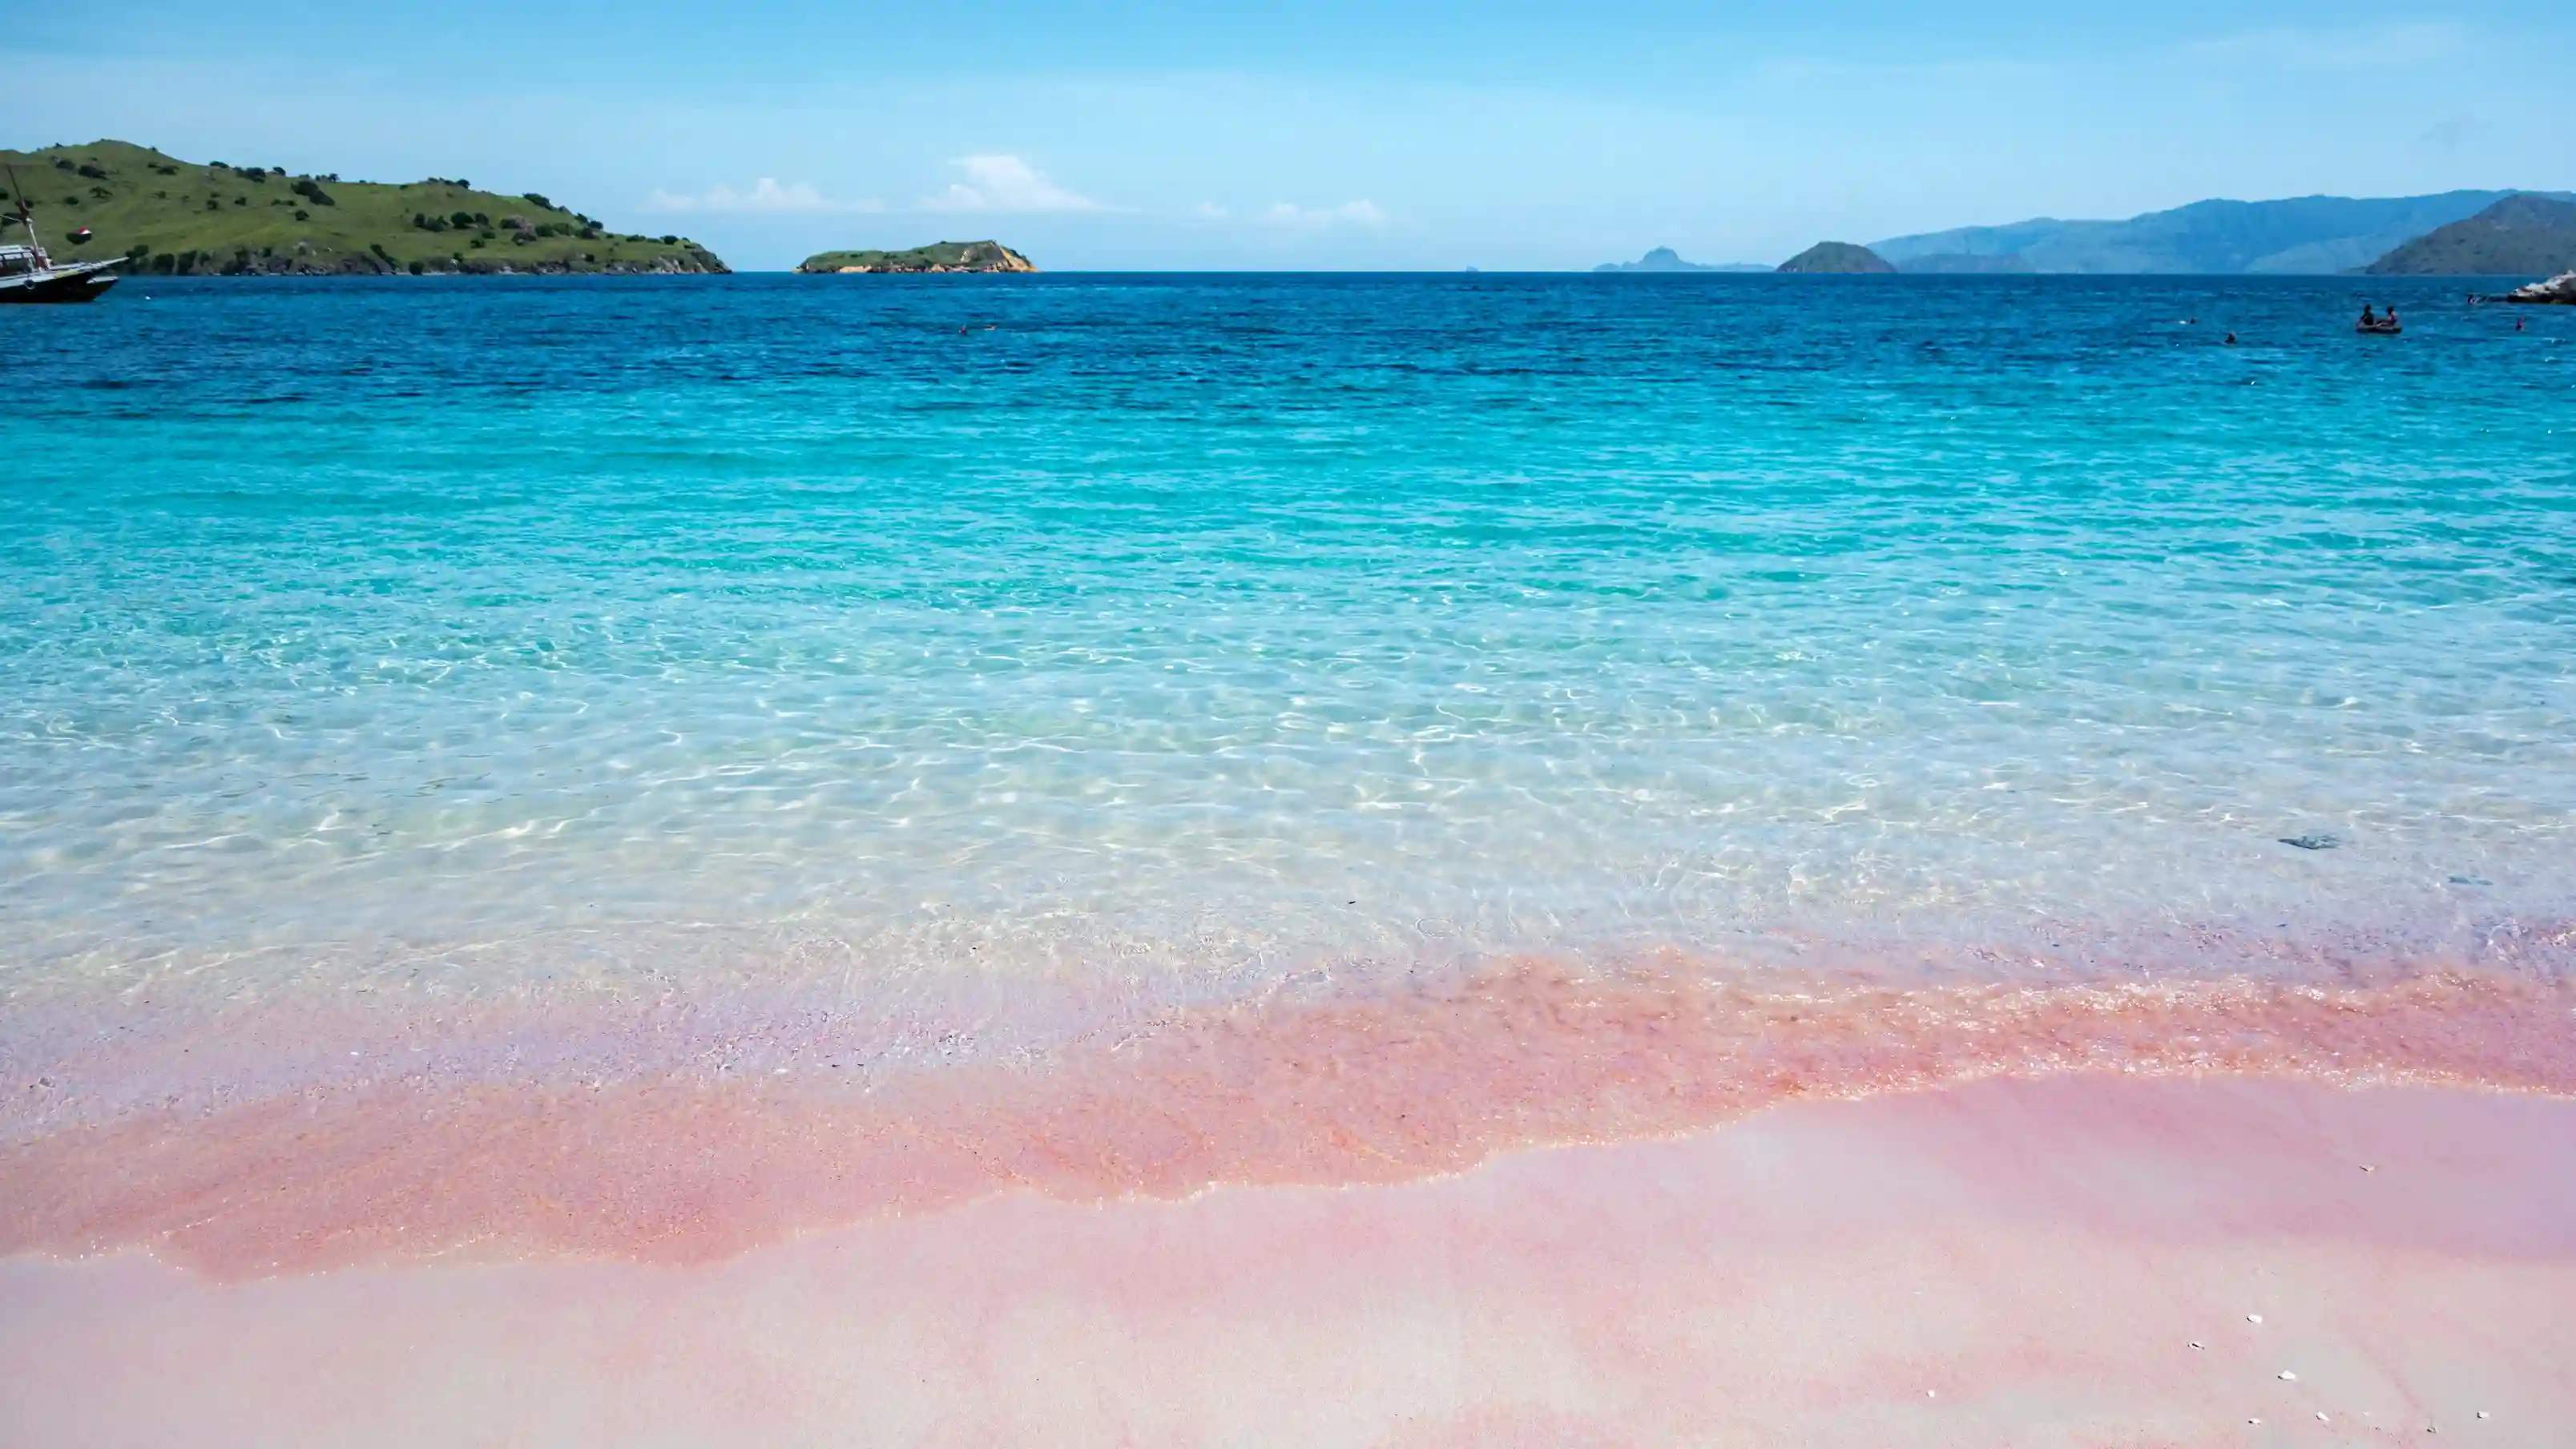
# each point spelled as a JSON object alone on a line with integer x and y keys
{"x": 1201, "y": 631}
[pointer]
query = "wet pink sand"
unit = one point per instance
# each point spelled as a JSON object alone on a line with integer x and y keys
{"x": 2006, "y": 1262}
{"x": 664, "y": 1162}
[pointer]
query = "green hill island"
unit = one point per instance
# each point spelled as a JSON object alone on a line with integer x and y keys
{"x": 1838, "y": 259}
{"x": 2520, "y": 236}
{"x": 973, "y": 256}
{"x": 170, "y": 217}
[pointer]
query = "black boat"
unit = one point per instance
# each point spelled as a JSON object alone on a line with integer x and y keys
{"x": 28, "y": 275}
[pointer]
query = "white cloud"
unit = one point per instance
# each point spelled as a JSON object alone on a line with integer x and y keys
{"x": 765, "y": 195}
{"x": 1210, "y": 211}
{"x": 2368, "y": 48}
{"x": 1349, "y": 213}
{"x": 1005, "y": 183}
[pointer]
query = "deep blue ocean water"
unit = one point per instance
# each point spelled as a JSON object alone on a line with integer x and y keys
{"x": 1198, "y": 628}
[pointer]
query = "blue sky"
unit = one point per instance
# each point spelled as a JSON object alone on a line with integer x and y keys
{"x": 1399, "y": 134}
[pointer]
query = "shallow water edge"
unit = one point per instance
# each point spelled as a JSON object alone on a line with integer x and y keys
{"x": 505, "y": 1131}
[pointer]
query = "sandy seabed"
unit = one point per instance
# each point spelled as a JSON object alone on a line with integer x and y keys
{"x": 2078, "y": 1259}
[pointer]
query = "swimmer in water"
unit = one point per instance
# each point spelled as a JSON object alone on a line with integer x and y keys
{"x": 2231, "y": 339}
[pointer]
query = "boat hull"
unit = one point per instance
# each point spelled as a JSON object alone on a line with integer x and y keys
{"x": 75, "y": 287}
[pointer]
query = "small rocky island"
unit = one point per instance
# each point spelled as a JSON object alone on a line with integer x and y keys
{"x": 973, "y": 256}
{"x": 1838, "y": 259}
{"x": 1665, "y": 259}
{"x": 168, "y": 217}
{"x": 2560, "y": 290}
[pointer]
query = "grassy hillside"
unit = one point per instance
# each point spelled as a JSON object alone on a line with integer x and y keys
{"x": 2520, "y": 236}
{"x": 179, "y": 217}
{"x": 974, "y": 256}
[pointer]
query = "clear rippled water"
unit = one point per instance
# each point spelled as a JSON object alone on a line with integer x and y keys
{"x": 1201, "y": 631}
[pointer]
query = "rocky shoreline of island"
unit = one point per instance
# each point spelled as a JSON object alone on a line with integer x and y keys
{"x": 937, "y": 258}
{"x": 242, "y": 262}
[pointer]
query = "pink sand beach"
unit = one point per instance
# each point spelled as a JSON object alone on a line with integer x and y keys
{"x": 2078, "y": 1260}
{"x": 1532, "y": 1206}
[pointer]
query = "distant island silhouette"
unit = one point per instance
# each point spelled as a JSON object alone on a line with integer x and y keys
{"x": 1665, "y": 259}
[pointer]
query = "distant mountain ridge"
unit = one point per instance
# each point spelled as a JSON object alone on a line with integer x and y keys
{"x": 2305, "y": 235}
{"x": 1963, "y": 264}
{"x": 2520, "y": 236}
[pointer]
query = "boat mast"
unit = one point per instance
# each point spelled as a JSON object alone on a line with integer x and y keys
{"x": 27, "y": 218}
